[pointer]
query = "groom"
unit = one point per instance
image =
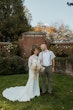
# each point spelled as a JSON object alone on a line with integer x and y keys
{"x": 47, "y": 59}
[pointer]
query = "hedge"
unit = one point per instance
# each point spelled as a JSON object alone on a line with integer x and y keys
{"x": 11, "y": 65}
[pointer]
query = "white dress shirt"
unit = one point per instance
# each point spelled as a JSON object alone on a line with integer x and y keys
{"x": 46, "y": 57}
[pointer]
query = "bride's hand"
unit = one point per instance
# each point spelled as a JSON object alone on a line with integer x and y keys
{"x": 35, "y": 70}
{"x": 35, "y": 73}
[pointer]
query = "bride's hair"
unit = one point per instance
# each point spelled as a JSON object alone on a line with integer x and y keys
{"x": 33, "y": 49}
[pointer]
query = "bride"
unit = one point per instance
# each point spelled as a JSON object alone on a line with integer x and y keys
{"x": 26, "y": 93}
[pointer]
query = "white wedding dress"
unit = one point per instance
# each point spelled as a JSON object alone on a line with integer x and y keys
{"x": 25, "y": 93}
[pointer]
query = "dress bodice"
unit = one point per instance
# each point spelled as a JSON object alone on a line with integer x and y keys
{"x": 33, "y": 60}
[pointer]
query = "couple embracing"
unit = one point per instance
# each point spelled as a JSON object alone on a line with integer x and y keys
{"x": 39, "y": 63}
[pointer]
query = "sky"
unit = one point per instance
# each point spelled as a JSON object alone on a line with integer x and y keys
{"x": 50, "y": 12}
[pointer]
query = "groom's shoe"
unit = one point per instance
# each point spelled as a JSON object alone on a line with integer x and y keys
{"x": 42, "y": 94}
{"x": 51, "y": 94}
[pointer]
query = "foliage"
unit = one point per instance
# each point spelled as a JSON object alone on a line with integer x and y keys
{"x": 13, "y": 20}
{"x": 62, "y": 51}
{"x": 55, "y": 33}
{"x": 9, "y": 47}
{"x": 13, "y": 49}
{"x": 27, "y": 14}
{"x": 69, "y": 4}
{"x": 62, "y": 99}
{"x": 11, "y": 65}
{"x": 10, "y": 50}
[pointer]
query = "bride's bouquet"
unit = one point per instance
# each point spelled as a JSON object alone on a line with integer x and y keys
{"x": 37, "y": 68}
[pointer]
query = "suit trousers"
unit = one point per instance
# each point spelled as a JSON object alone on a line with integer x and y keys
{"x": 47, "y": 74}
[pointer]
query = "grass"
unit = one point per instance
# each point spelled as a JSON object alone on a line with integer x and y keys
{"x": 62, "y": 100}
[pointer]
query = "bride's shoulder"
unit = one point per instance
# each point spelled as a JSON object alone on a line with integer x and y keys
{"x": 31, "y": 57}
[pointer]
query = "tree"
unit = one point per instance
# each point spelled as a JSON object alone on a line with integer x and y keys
{"x": 63, "y": 33}
{"x": 48, "y": 30}
{"x": 27, "y": 14}
{"x": 69, "y": 4}
{"x": 13, "y": 20}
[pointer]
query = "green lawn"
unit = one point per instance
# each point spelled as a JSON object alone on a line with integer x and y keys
{"x": 62, "y": 100}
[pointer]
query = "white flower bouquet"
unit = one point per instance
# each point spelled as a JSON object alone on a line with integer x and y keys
{"x": 37, "y": 68}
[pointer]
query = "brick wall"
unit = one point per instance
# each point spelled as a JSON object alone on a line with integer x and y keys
{"x": 29, "y": 39}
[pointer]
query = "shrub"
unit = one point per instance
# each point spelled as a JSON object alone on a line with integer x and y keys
{"x": 13, "y": 49}
{"x": 62, "y": 51}
{"x": 11, "y": 65}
